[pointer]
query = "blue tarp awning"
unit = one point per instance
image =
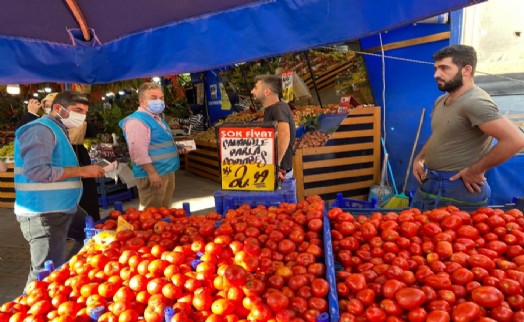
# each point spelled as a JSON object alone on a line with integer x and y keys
{"x": 41, "y": 40}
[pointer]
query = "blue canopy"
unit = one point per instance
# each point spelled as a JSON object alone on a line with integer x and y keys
{"x": 41, "y": 40}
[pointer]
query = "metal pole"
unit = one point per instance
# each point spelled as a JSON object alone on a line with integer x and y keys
{"x": 306, "y": 54}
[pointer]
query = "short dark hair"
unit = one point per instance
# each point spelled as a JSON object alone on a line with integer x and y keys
{"x": 462, "y": 55}
{"x": 67, "y": 98}
{"x": 273, "y": 82}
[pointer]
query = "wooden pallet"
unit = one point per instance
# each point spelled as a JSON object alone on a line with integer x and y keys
{"x": 349, "y": 163}
{"x": 7, "y": 187}
{"x": 204, "y": 161}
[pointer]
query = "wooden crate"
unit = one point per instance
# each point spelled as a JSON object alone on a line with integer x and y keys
{"x": 204, "y": 161}
{"x": 7, "y": 187}
{"x": 350, "y": 163}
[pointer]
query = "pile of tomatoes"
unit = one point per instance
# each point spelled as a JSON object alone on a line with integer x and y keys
{"x": 260, "y": 264}
{"x": 440, "y": 265}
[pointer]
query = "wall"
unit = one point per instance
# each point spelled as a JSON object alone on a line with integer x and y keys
{"x": 409, "y": 88}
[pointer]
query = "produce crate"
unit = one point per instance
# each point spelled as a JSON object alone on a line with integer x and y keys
{"x": 107, "y": 200}
{"x": 349, "y": 163}
{"x": 228, "y": 199}
{"x": 7, "y": 187}
{"x": 204, "y": 161}
{"x": 342, "y": 202}
{"x": 105, "y": 186}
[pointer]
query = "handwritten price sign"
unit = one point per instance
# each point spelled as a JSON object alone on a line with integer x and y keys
{"x": 247, "y": 158}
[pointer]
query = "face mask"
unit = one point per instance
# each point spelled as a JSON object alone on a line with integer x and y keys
{"x": 155, "y": 106}
{"x": 47, "y": 110}
{"x": 74, "y": 120}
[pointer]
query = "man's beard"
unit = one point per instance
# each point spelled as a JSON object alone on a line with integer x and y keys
{"x": 455, "y": 83}
{"x": 257, "y": 100}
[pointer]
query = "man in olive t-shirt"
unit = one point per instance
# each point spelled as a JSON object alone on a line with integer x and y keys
{"x": 452, "y": 164}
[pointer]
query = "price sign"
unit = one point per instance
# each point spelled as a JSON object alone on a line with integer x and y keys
{"x": 288, "y": 92}
{"x": 247, "y": 157}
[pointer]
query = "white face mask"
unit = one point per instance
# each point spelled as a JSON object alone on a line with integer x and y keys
{"x": 74, "y": 120}
{"x": 47, "y": 110}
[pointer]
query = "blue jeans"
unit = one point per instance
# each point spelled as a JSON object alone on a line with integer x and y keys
{"x": 439, "y": 191}
{"x": 47, "y": 236}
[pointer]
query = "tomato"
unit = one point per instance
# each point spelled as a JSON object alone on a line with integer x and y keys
{"x": 318, "y": 304}
{"x": 462, "y": 276}
{"x": 410, "y": 298}
{"x": 356, "y": 282}
{"x": 417, "y": 315}
{"x": 391, "y": 307}
{"x": 355, "y": 307}
{"x": 487, "y": 296}
{"x": 375, "y": 314}
{"x": 466, "y": 312}
{"x": 438, "y": 316}
{"x": 509, "y": 286}
{"x": 501, "y": 313}
{"x": 391, "y": 287}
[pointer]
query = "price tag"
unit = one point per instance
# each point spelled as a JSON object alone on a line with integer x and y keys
{"x": 288, "y": 92}
{"x": 247, "y": 157}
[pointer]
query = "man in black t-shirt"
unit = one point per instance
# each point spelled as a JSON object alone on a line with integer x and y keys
{"x": 266, "y": 92}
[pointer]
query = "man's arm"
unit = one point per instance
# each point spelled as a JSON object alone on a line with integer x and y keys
{"x": 510, "y": 141}
{"x": 283, "y": 138}
{"x": 36, "y": 146}
{"x": 88, "y": 171}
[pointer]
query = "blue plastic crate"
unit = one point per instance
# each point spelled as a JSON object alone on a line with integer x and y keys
{"x": 107, "y": 200}
{"x": 225, "y": 199}
{"x": 342, "y": 202}
{"x": 334, "y": 310}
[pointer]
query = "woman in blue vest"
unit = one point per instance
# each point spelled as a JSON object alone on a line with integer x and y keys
{"x": 48, "y": 182}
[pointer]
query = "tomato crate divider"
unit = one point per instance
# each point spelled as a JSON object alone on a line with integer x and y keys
{"x": 329, "y": 261}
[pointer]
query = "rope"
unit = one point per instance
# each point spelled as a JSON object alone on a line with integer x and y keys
{"x": 382, "y": 56}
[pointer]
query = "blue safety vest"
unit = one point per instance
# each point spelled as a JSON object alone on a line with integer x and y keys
{"x": 33, "y": 197}
{"x": 162, "y": 149}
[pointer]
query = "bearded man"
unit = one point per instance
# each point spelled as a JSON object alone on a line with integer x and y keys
{"x": 452, "y": 164}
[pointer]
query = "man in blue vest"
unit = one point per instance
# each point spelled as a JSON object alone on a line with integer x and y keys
{"x": 48, "y": 182}
{"x": 152, "y": 149}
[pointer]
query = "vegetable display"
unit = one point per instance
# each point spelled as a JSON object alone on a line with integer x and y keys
{"x": 260, "y": 264}
{"x": 440, "y": 265}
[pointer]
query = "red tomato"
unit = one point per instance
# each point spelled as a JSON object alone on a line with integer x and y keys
{"x": 466, "y": 312}
{"x": 438, "y": 316}
{"x": 487, "y": 296}
{"x": 356, "y": 282}
{"x": 410, "y": 298}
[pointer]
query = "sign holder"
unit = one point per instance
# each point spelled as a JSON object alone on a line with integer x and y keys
{"x": 248, "y": 156}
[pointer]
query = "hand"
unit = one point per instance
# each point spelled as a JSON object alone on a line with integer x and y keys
{"x": 155, "y": 181}
{"x": 33, "y": 106}
{"x": 182, "y": 149}
{"x": 92, "y": 171}
{"x": 418, "y": 171}
{"x": 281, "y": 174}
{"x": 472, "y": 180}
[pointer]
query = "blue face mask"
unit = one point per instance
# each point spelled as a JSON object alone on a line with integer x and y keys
{"x": 155, "y": 106}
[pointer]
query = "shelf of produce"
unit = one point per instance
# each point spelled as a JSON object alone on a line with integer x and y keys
{"x": 204, "y": 160}
{"x": 349, "y": 163}
{"x": 7, "y": 187}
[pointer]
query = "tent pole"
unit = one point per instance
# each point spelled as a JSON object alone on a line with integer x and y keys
{"x": 306, "y": 54}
